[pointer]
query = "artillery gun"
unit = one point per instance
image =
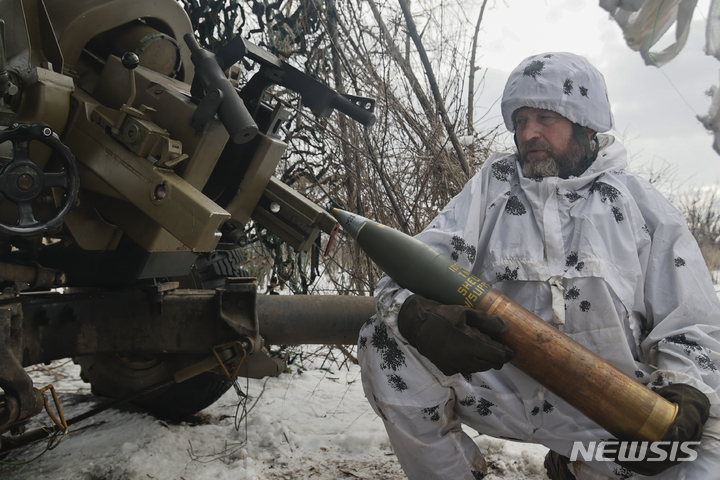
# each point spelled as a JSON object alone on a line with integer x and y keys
{"x": 130, "y": 163}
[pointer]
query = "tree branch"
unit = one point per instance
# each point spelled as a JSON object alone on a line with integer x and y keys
{"x": 404, "y": 66}
{"x": 471, "y": 81}
{"x": 439, "y": 102}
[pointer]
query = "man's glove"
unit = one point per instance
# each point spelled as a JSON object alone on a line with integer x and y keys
{"x": 456, "y": 339}
{"x": 693, "y": 412}
{"x": 557, "y": 466}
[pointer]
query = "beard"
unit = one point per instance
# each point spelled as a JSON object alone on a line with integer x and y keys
{"x": 554, "y": 162}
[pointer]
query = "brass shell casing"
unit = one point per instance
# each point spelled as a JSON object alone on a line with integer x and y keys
{"x": 624, "y": 407}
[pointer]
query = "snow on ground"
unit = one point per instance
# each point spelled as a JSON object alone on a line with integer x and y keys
{"x": 311, "y": 423}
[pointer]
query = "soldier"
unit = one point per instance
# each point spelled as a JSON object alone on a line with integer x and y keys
{"x": 560, "y": 227}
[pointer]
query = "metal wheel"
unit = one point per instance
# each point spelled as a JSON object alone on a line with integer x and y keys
{"x": 118, "y": 376}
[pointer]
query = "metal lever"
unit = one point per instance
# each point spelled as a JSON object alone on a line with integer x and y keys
{"x": 129, "y": 60}
{"x": 232, "y": 111}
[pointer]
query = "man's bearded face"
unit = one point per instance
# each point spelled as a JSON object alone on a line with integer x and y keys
{"x": 546, "y": 143}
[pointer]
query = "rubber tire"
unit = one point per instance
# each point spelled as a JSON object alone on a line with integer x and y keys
{"x": 112, "y": 376}
{"x": 117, "y": 377}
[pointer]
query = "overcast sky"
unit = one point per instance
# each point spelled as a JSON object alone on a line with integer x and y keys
{"x": 655, "y": 109}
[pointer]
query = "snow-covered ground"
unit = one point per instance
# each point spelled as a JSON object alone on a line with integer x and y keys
{"x": 310, "y": 423}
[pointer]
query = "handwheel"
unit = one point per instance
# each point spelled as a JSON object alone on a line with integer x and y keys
{"x": 22, "y": 181}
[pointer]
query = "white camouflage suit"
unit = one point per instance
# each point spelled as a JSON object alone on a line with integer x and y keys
{"x": 605, "y": 259}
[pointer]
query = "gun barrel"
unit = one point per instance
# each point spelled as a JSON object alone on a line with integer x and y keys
{"x": 353, "y": 110}
{"x": 313, "y": 319}
{"x": 624, "y": 407}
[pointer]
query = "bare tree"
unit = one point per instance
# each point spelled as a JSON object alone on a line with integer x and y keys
{"x": 701, "y": 207}
{"x": 439, "y": 100}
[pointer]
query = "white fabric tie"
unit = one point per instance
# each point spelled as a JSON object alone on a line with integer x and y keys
{"x": 558, "y": 299}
